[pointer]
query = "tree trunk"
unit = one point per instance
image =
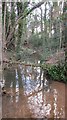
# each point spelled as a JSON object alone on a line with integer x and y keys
{"x": 22, "y": 17}
{"x": 65, "y": 34}
{"x": 4, "y": 26}
{"x": 65, "y": 29}
{"x": 41, "y": 22}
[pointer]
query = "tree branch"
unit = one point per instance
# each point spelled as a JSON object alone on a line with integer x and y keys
{"x": 33, "y": 8}
{"x": 22, "y": 17}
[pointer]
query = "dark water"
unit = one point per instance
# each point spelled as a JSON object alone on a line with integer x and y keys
{"x": 26, "y": 97}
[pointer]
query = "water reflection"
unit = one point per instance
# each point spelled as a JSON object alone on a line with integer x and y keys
{"x": 29, "y": 94}
{"x": 39, "y": 105}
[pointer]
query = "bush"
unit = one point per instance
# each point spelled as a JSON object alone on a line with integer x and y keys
{"x": 58, "y": 73}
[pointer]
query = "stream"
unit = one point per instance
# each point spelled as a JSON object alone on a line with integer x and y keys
{"x": 26, "y": 97}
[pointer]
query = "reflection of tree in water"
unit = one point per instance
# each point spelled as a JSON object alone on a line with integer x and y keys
{"x": 13, "y": 81}
{"x": 40, "y": 75}
{"x": 20, "y": 80}
{"x": 45, "y": 79}
{"x": 29, "y": 73}
{"x": 14, "y": 101}
{"x": 9, "y": 76}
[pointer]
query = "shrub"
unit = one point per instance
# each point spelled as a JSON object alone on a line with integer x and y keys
{"x": 58, "y": 73}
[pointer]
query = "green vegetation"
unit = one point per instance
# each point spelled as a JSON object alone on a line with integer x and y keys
{"x": 58, "y": 73}
{"x": 42, "y": 25}
{"x": 36, "y": 41}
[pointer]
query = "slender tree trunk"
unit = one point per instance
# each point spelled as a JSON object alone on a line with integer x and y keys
{"x": 41, "y": 23}
{"x": 65, "y": 34}
{"x": 45, "y": 27}
{"x": 60, "y": 35}
{"x": 4, "y": 26}
{"x": 20, "y": 26}
{"x": 65, "y": 29}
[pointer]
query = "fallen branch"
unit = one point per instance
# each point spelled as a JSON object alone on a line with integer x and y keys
{"x": 35, "y": 92}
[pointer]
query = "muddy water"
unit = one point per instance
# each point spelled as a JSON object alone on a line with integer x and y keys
{"x": 26, "y": 98}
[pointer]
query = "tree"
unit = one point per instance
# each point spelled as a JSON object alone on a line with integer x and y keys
{"x": 4, "y": 22}
{"x": 22, "y": 16}
{"x": 65, "y": 29}
{"x": 20, "y": 25}
{"x": 11, "y": 46}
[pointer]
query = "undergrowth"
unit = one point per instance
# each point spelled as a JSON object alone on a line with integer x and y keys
{"x": 58, "y": 72}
